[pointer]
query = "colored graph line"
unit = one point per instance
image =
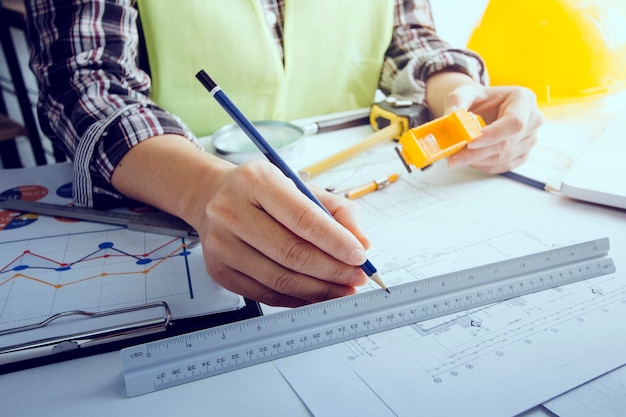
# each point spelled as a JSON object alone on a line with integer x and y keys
{"x": 17, "y": 265}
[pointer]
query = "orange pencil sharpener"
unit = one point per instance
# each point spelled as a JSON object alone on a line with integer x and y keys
{"x": 423, "y": 145}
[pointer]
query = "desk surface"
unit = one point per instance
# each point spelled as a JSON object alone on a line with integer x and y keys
{"x": 94, "y": 385}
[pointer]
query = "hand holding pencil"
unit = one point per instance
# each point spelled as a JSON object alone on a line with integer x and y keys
{"x": 282, "y": 246}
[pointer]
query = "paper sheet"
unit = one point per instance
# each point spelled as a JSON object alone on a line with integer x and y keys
{"x": 604, "y": 396}
{"x": 497, "y": 360}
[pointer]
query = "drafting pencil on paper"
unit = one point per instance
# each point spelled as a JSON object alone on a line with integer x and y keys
{"x": 271, "y": 155}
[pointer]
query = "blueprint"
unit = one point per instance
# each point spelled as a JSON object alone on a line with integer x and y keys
{"x": 501, "y": 359}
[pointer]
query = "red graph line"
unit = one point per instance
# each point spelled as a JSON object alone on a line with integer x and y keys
{"x": 159, "y": 247}
{"x": 4, "y": 268}
{"x": 146, "y": 271}
{"x": 41, "y": 257}
{"x": 169, "y": 255}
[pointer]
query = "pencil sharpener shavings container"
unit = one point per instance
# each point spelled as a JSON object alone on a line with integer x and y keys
{"x": 423, "y": 145}
{"x": 231, "y": 142}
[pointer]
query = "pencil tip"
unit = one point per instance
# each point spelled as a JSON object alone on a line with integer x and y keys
{"x": 378, "y": 280}
{"x": 387, "y": 289}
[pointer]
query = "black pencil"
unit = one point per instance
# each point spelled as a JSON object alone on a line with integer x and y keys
{"x": 528, "y": 181}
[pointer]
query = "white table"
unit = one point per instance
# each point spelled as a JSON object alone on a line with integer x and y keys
{"x": 94, "y": 385}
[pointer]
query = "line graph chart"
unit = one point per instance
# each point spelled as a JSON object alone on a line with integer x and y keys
{"x": 29, "y": 260}
{"x": 51, "y": 265}
{"x": 100, "y": 270}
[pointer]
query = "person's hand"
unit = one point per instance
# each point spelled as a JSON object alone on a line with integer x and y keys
{"x": 262, "y": 238}
{"x": 512, "y": 119}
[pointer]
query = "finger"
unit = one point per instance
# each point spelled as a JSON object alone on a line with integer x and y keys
{"x": 497, "y": 158}
{"x": 291, "y": 208}
{"x": 495, "y": 167}
{"x": 256, "y": 224}
{"x": 462, "y": 97}
{"x": 297, "y": 254}
{"x": 274, "y": 241}
{"x": 517, "y": 115}
{"x": 246, "y": 286}
{"x": 242, "y": 269}
{"x": 346, "y": 212}
{"x": 261, "y": 186}
{"x": 260, "y": 230}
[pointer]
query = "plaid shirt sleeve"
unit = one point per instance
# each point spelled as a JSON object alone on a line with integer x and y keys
{"x": 93, "y": 100}
{"x": 416, "y": 52}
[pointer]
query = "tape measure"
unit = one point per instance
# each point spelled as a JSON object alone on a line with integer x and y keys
{"x": 402, "y": 112}
{"x": 177, "y": 360}
{"x": 390, "y": 119}
{"x": 155, "y": 222}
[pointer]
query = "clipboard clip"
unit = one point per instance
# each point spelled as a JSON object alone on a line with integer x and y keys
{"x": 68, "y": 342}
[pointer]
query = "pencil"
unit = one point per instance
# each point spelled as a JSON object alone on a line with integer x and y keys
{"x": 370, "y": 187}
{"x": 381, "y": 136}
{"x": 528, "y": 181}
{"x": 254, "y": 135}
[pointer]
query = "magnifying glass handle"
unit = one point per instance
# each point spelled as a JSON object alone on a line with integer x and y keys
{"x": 331, "y": 125}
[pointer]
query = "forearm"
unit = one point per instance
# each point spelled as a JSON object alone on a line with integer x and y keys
{"x": 417, "y": 53}
{"x": 94, "y": 100}
{"x": 170, "y": 173}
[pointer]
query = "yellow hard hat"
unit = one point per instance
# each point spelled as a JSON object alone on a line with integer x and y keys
{"x": 563, "y": 50}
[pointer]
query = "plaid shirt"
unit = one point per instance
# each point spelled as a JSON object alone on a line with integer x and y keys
{"x": 94, "y": 100}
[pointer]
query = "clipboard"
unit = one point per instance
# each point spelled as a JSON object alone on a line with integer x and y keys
{"x": 99, "y": 335}
{"x": 116, "y": 316}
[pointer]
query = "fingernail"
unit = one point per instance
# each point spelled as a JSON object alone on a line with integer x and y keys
{"x": 358, "y": 257}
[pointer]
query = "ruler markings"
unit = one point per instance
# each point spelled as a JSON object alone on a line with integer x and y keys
{"x": 170, "y": 362}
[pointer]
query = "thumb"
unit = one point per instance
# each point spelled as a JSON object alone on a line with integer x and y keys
{"x": 461, "y": 97}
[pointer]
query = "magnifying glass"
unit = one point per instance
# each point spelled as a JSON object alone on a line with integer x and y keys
{"x": 232, "y": 144}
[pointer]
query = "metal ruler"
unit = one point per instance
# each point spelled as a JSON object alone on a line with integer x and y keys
{"x": 173, "y": 361}
{"x": 155, "y": 222}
